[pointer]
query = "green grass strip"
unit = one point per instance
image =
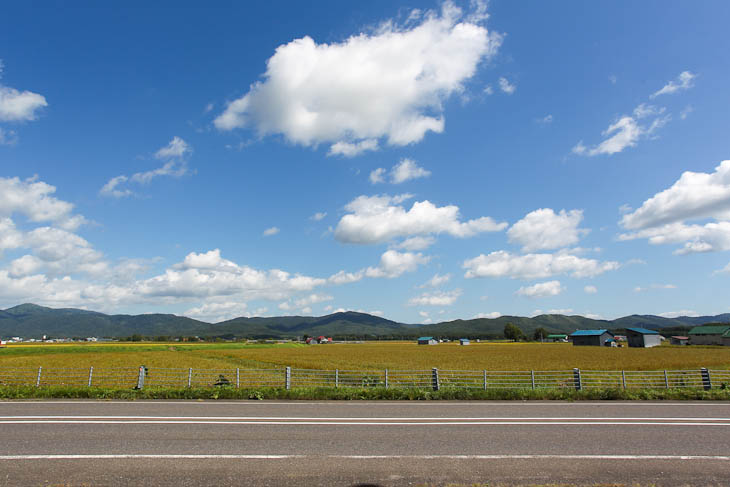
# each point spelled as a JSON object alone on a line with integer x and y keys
{"x": 352, "y": 394}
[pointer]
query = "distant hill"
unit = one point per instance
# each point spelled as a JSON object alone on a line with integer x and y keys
{"x": 33, "y": 321}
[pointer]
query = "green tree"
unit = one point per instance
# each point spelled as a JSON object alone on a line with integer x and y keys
{"x": 512, "y": 332}
{"x": 540, "y": 334}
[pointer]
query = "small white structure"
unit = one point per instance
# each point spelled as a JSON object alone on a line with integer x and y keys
{"x": 463, "y": 341}
{"x": 427, "y": 341}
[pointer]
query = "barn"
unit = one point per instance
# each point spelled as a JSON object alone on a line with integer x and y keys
{"x": 679, "y": 340}
{"x": 642, "y": 337}
{"x": 558, "y": 337}
{"x": 463, "y": 341}
{"x": 596, "y": 338}
{"x": 427, "y": 341}
{"x": 707, "y": 334}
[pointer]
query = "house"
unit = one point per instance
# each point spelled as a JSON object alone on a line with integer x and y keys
{"x": 707, "y": 334}
{"x": 596, "y": 338}
{"x": 463, "y": 341}
{"x": 557, "y": 338}
{"x": 679, "y": 340}
{"x": 427, "y": 341}
{"x": 643, "y": 337}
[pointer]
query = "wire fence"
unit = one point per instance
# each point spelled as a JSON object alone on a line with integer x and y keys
{"x": 436, "y": 379}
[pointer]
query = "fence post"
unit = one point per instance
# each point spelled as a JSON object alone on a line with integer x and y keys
{"x": 666, "y": 379}
{"x": 532, "y": 378}
{"x": 386, "y": 378}
{"x": 238, "y": 378}
{"x": 287, "y": 378}
{"x": 140, "y": 377}
{"x": 190, "y": 377}
{"x": 706, "y": 381}
{"x": 91, "y": 374}
{"x": 38, "y": 379}
{"x": 485, "y": 380}
{"x": 435, "y": 379}
{"x": 576, "y": 379}
{"x": 337, "y": 378}
{"x": 623, "y": 378}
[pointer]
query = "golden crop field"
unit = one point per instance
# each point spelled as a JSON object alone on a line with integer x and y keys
{"x": 365, "y": 356}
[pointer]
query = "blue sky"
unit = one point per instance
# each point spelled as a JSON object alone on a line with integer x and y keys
{"x": 423, "y": 161}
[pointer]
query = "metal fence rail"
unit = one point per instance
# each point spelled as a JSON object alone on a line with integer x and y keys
{"x": 140, "y": 377}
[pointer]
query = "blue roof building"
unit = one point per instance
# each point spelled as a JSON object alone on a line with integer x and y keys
{"x": 643, "y": 337}
{"x": 595, "y": 338}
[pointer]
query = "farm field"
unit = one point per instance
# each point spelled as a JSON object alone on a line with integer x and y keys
{"x": 364, "y": 356}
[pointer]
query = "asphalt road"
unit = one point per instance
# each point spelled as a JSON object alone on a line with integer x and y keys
{"x": 73, "y": 443}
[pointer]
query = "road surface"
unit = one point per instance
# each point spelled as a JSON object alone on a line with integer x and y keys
{"x": 265, "y": 443}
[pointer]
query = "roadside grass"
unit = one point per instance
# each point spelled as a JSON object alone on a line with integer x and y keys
{"x": 351, "y": 394}
{"x": 365, "y": 356}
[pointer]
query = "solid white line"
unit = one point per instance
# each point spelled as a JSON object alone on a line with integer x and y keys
{"x": 373, "y": 423}
{"x": 362, "y": 457}
{"x": 370, "y": 418}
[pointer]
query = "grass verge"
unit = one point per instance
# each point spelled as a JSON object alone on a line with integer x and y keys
{"x": 370, "y": 393}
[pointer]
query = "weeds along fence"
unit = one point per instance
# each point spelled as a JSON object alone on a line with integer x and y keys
{"x": 289, "y": 378}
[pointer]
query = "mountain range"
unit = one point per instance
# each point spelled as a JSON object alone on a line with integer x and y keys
{"x": 33, "y": 321}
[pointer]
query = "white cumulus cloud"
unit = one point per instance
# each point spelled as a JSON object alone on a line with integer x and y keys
{"x": 389, "y": 84}
{"x": 271, "y": 231}
{"x": 19, "y": 106}
{"x": 545, "y": 229}
{"x": 394, "y": 264}
{"x": 490, "y": 316}
{"x": 405, "y": 170}
{"x": 590, "y": 289}
{"x": 416, "y": 243}
{"x": 541, "y": 289}
{"x": 436, "y": 298}
{"x": 437, "y": 280}
{"x": 379, "y": 219}
{"x": 677, "y": 314}
{"x": 666, "y": 217}
{"x": 534, "y": 266}
{"x": 34, "y": 199}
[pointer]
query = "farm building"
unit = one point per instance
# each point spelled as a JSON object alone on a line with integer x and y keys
{"x": 679, "y": 340}
{"x": 707, "y": 334}
{"x": 427, "y": 341}
{"x": 557, "y": 338}
{"x": 642, "y": 337}
{"x": 726, "y": 338}
{"x": 319, "y": 339}
{"x": 463, "y": 341}
{"x": 596, "y": 338}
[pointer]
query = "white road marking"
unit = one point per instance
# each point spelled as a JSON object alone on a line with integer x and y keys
{"x": 374, "y": 423}
{"x": 361, "y": 457}
{"x": 368, "y": 418}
